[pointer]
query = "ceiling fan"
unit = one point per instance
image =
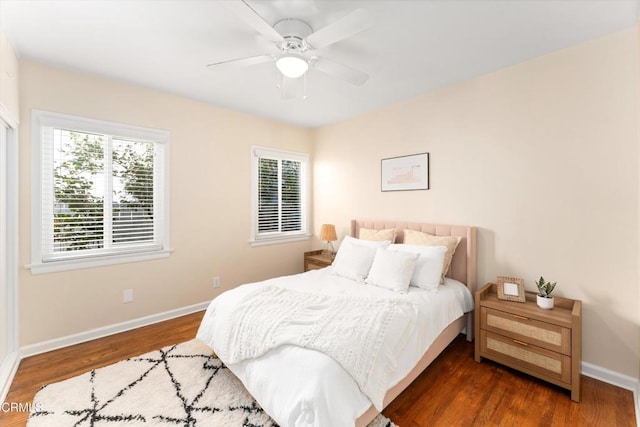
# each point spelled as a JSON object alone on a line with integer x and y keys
{"x": 297, "y": 44}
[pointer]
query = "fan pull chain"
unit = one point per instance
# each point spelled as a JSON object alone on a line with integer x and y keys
{"x": 304, "y": 87}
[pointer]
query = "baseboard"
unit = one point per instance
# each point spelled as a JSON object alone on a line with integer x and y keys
{"x": 8, "y": 370}
{"x": 610, "y": 377}
{"x": 50, "y": 345}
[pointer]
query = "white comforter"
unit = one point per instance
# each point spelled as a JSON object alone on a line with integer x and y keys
{"x": 366, "y": 336}
{"x": 302, "y": 387}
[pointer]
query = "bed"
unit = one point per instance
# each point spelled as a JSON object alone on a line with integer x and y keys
{"x": 329, "y": 395}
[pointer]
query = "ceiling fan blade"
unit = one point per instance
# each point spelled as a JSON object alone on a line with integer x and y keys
{"x": 353, "y": 23}
{"x": 340, "y": 71}
{"x": 242, "y": 62}
{"x": 245, "y": 12}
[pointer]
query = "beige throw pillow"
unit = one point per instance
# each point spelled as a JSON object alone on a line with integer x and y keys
{"x": 413, "y": 237}
{"x": 377, "y": 235}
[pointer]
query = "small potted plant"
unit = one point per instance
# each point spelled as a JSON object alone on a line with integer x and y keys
{"x": 544, "y": 299}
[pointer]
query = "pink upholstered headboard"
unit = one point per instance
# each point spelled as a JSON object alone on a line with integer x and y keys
{"x": 463, "y": 265}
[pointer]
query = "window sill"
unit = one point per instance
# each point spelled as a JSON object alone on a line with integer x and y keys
{"x": 76, "y": 264}
{"x": 279, "y": 240}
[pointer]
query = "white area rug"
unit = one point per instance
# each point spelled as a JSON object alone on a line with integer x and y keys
{"x": 181, "y": 385}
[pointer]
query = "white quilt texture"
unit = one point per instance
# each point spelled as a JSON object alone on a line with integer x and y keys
{"x": 299, "y": 386}
{"x": 365, "y": 335}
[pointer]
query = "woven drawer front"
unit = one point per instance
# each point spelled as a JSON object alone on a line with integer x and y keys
{"x": 542, "y": 334}
{"x": 518, "y": 355}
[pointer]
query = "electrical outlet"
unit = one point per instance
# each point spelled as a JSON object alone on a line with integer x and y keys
{"x": 127, "y": 295}
{"x": 216, "y": 282}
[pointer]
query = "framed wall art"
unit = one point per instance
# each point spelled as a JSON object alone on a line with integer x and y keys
{"x": 510, "y": 289}
{"x": 405, "y": 173}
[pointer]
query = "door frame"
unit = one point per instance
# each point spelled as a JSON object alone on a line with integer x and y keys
{"x": 9, "y": 365}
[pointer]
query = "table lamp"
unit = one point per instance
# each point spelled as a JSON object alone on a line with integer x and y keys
{"x": 328, "y": 234}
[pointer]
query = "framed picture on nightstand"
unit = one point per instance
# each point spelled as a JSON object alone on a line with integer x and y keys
{"x": 510, "y": 288}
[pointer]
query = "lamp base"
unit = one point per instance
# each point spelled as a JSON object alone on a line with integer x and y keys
{"x": 328, "y": 254}
{"x": 329, "y": 251}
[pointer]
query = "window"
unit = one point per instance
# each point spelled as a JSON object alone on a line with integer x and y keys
{"x": 99, "y": 193}
{"x": 279, "y": 196}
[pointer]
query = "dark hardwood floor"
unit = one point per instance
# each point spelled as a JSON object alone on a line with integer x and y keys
{"x": 453, "y": 391}
{"x": 67, "y": 362}
{"x": 456, "y": 391}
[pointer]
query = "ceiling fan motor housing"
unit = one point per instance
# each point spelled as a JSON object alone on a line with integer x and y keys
{"x": 294, "y": 32}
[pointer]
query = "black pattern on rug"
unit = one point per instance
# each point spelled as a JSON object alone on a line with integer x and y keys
{"x": 181, "y": 385}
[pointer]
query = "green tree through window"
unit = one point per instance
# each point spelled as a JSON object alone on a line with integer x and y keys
{"x": 78, "y": 207}
{"x": 95, "y": 180}
{"x": 291, "y": 201}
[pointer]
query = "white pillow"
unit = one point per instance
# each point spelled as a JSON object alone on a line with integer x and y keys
{"x": 355, "y": 256}
{"x": 429, "y": 266}
{"x": 414, "y": 237}
{"x": 392, "y": 270}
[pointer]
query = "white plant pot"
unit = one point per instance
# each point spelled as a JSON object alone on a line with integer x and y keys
{"x": 546, "y": 303}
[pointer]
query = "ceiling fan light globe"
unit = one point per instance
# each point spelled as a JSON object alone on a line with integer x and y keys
{"x": 292, "y": 65}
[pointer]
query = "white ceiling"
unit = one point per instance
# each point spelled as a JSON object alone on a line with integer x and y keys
{"x": 413, "y": 47}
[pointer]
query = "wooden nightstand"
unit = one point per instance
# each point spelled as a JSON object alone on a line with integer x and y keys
{"x": 543, "y": 343}
{"x": 314, "y": 260}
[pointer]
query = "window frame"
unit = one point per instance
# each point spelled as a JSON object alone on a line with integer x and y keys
{"x": 258, "y": 239}
{"x": 40, "y": 119}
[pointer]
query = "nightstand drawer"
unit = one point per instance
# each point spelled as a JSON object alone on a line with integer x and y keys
{"x": 541, "y": 334}
{"x": 308, "y": 265}
{"x": 315, "y": 260}
{"x": 527, "y": 358}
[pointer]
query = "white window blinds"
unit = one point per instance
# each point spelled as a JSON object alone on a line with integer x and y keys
{"x": 280, "y": 191}
{"x": 102, "y": 188}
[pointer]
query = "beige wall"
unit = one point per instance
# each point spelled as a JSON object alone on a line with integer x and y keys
{"x": 542, "y": 157}
{"x": 210, "y": 202}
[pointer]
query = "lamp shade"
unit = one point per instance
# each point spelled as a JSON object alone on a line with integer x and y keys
{"x": 328, "y": 233}
{"x": 292, "y": 65}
